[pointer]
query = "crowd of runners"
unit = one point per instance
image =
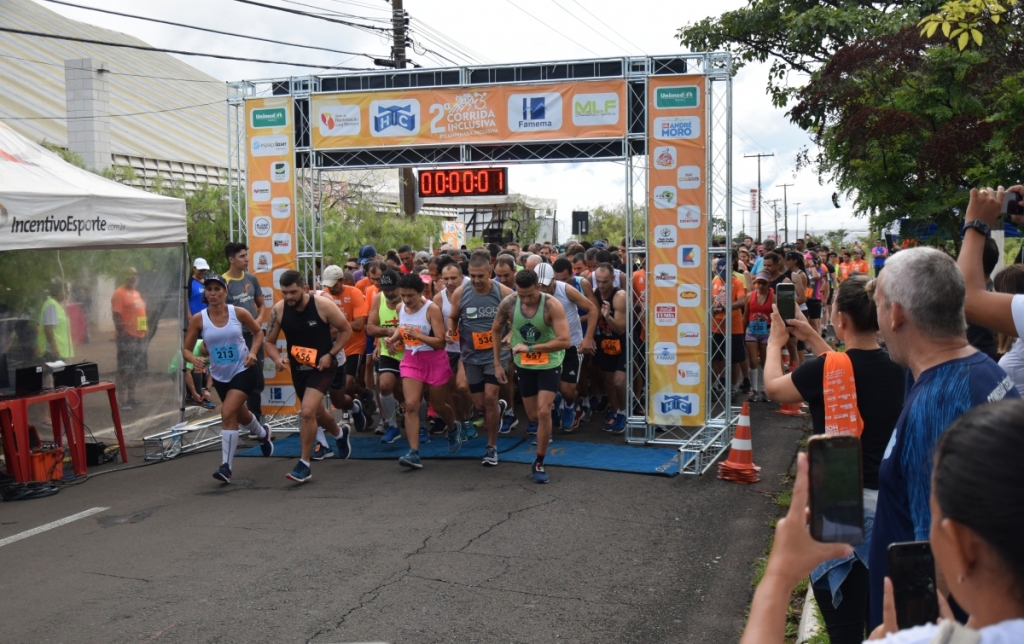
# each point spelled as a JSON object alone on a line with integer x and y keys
{"x": 440, "y": 343}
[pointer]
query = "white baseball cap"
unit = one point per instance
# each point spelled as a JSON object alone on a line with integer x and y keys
{"x": 200, "y": 264}
{"x": 331, "y": 275}
{"x": 545, "y": 274}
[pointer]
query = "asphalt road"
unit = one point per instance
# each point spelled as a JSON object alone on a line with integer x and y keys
{"x": 369, "y": 552}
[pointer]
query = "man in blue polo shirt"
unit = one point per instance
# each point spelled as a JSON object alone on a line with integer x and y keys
{"x": 196, "y": 291}
{"x": 920, "y": 302}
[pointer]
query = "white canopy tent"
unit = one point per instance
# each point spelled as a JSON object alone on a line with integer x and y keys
{"x": 66, "y": 229}
{"x": 48, "y": 203}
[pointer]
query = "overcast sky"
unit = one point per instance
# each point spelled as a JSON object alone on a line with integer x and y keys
{"x": 501, "y": 31}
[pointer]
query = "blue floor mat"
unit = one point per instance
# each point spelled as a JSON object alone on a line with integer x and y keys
{"x": 561, "y": 453}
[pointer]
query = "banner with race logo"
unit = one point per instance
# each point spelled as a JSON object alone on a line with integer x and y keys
{"x": 270, "y": 170}
{"x": 491, "y": 114}
{"x": 454, "y": 233}
{"x": 676, "y": 253}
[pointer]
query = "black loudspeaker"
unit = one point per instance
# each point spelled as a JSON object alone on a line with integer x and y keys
{"x": 580, "y": 222}
{"x": 76, "y": 375}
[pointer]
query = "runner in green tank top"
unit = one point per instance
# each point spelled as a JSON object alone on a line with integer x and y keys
{"x": 380, "y": 323}
{"x": 540, "y": 336}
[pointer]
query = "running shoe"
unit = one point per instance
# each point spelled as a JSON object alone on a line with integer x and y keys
{"x": 568, "y": 418}
{"x": 531, "y": 428}
{"x": 391, "y": 435}
{"x": 369, "y": 406}
{"x": 267, "y": 445}
{"x": 469, "y": 431}
{"x": 502, "y": 408}
{"x": 437, "y": 425}
{"x": 764, "y": 397}
{"x": 382, "y": 427}
{"x": 609, "y": 416}
{"x": 753, "y": 397}
{"x": 223, "y": 473}
{"x": 455, "y": 438}
{"x": 358, "y": 417}
{"x": 491, "y": 456}
{"x": 320, "y": 452}
{"x": 208, "y": 404}
{"x": 745, "y": 386}
{"x": 600, "y": 405}
{"x": 508, "y": 421}
{"x": 539, "y": 475}
{"x": 300, "y": 474}
{"x": 577, "y": 419}
{"x": 588, "y": 413}
{"x": 343, "y": 446}
{"x": 617, "y": 424}
{"x": 424, "y": 435}
{"x": 411, "y": 460}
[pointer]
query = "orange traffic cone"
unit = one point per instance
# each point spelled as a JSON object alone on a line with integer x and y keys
{"x": 791, "y": 409}
{"x": 739, "y": 467}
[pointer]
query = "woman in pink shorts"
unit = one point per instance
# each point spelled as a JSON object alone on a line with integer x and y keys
{"x": 425, "y": 364}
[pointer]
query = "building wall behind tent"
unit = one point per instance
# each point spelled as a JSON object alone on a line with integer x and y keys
{"x": 90, "y": 278}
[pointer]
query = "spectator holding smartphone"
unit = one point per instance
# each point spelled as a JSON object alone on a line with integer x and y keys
{"x": 974, "y": 533}
{"x": 1011, "y": 280}
{"x": 876, "y": 388}
{"x": 1001, "y": 312}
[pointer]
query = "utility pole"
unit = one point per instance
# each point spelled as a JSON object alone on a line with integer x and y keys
{"x": 774, "y": 203}
{"x": 759, "y": 156}
{"x": 805, "y": 224}
{"x": 785, "y": 209}
{"x": 399, "y": 25}
{"x": 798, "y": 221}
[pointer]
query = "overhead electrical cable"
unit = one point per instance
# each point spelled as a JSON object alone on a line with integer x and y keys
{"x": 549, "y": 27}
{"x": 212, "y": 31}
{"x": 179, "y": 52}
{"x": 313, "y": 15}
{"x": 580, "y": 20}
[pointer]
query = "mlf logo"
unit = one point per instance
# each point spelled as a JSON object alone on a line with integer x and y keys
{"x": 665, "y": 236}
{"x": 595, "y": 109}
{"x": 689, "y": 256}
{"x": 688, "y": 177}
{"x": 688, "y": 216}
{"x": 340, "y": 120}
{"x": 665, "y": 314}
{"x": 688, "y": 295}
{"x": 534, "y": 112}
{"x": 665, "y": 275}
{"x": 665, "y": 197}
{"x": 395, "y": 118}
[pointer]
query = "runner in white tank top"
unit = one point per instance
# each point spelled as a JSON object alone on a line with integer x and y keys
{"x": 232, "y": 366}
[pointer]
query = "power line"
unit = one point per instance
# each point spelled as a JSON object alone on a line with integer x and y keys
{"x": 76, "y": 118}
{"x": 212, "y": 31}
{"x": 423, "y": 35}
{"x": 551, "y": 28}
{"x": 580, "y": 20}
{"x": 347, "y": 23}
{"x": 454, "y": 43}
{"x": 184, "y": 80}
{"x": 337, "y": 13}
{"x": 640, "y": 49}
{"x": 172, "y": 51}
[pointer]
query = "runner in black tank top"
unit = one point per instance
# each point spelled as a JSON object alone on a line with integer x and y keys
{"x": 306, "y": 321}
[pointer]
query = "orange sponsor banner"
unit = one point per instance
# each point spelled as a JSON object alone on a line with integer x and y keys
{"x": 677, "y": 250}
{"x": 270, "y": 179}
{"x": 488, "y": 114}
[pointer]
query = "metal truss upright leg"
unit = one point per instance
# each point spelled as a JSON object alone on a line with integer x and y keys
{"x": 238, "y": 227}
{"x": 637, "y": 429}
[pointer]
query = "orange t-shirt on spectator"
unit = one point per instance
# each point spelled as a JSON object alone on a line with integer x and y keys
{"x": 640, "y": 299}
{"x": 718, "y": 291}
{"x": 353, "y": 304}
{"x": 129, "y": 305}
{"x": 860, "y": 266}
{"x": 364, "y": 284}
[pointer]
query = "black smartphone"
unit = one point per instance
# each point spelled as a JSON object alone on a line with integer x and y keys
{"x": 785, "y": 294}
{"x": 1012, "y": 204}
{"x": 912, "y": 571}
{"x": 837, "y": 489}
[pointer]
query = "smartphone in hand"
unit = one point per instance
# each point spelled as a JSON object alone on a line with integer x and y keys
{"x": 837, "y": 489}
{"x": 1012, "y": 204}
{"x": 912, "y": 572}
{"x": 785, "y": 296}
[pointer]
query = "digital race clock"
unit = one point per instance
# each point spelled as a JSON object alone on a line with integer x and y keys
{"x": 464, "y": 182}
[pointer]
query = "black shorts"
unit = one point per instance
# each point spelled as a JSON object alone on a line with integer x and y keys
{"x": 813, "y": 309}
{"x": 340, "y": 379}
{"x": 453, "y": 361}
{"x": 610, "y": 363}
{"x": 387, "y": 364}
{"x": 244, "y": 381}
{"x": 572, "y": 366}
{"x": 533, "y": 381}
{"x": 351, "y": 366}
{"x": 132, "y": 355}
{"x": 739, "y": 348}
{"x": 313, "y": 379}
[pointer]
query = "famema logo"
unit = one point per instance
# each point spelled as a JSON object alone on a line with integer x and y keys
{"x": 269, "y": 117}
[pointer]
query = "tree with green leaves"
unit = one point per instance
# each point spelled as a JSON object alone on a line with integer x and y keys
{"x": 356, "y": 223}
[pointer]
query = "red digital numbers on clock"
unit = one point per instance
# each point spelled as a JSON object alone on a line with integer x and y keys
{"x": 466, "y": 182}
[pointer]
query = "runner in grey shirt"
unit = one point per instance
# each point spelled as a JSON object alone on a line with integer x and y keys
{"x": 244, "y": 291}
{"x": 473, "y": 309}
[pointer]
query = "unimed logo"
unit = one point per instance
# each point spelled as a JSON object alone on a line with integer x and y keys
{"x": 677, "y": 97}
{"x": 269, "y": 117}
